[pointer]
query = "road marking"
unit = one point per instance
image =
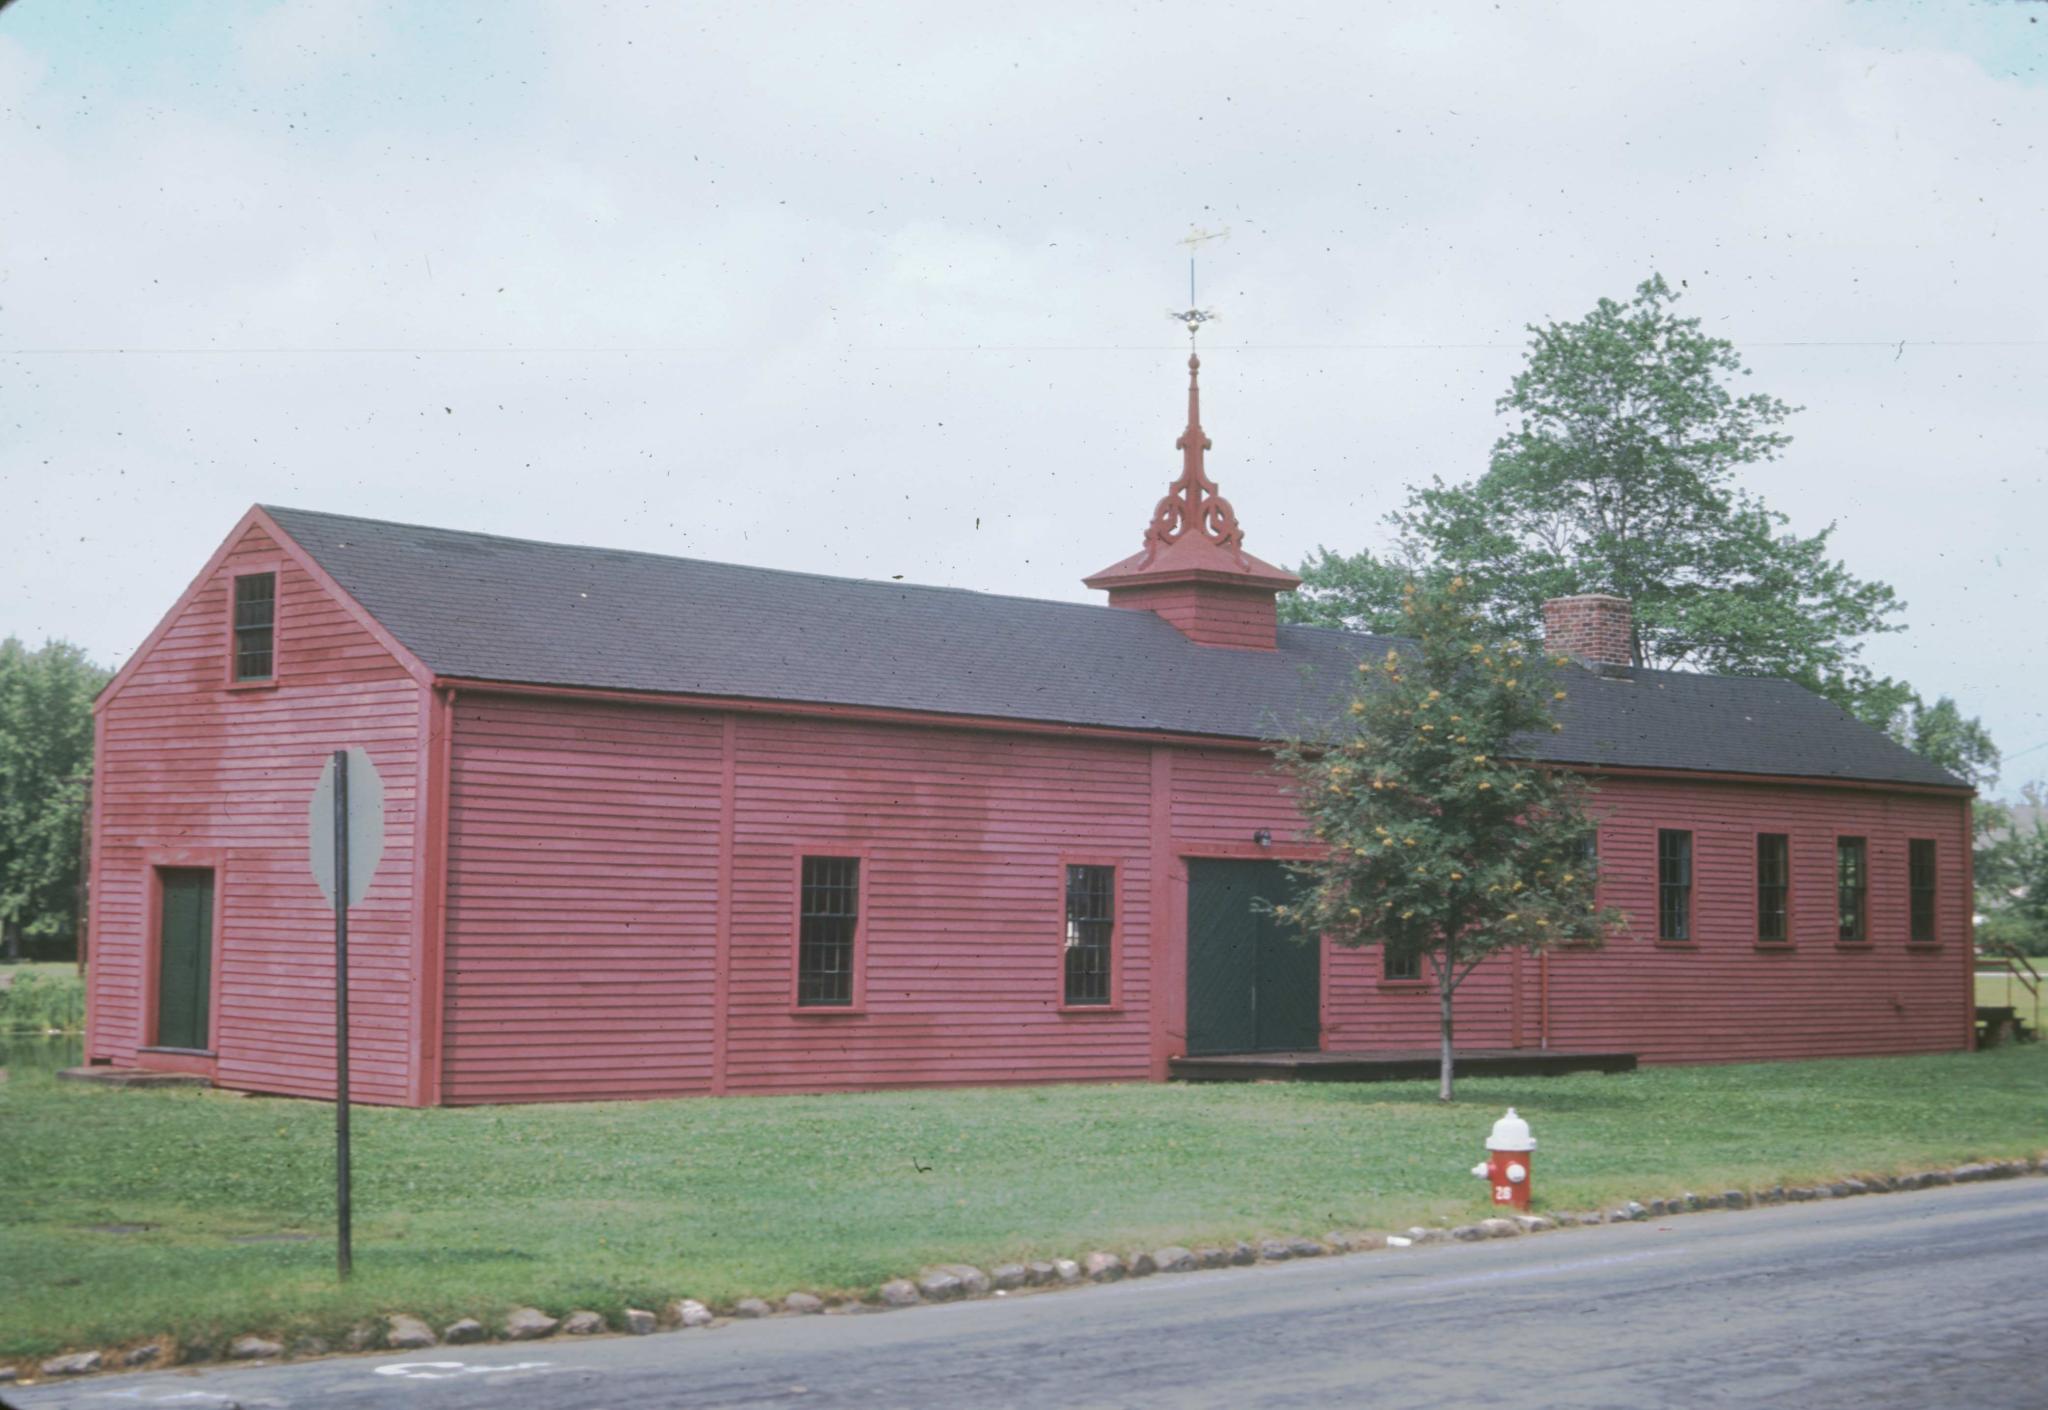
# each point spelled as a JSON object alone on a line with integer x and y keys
{"x": 450, "y": 1370}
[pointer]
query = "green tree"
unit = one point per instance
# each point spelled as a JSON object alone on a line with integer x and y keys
{"x": 1440, "y": 843}
{"x": 2012, "y": 877}
{"x": 45, "y": 764}
{"x": 1941, "y": 733}
{"x": 1617, "y": 474}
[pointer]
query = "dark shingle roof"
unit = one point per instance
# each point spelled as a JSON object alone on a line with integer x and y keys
{"x": 513, "y": 610}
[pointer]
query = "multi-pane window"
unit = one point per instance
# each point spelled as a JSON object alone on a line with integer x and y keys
{"x": 1773, "y": 888}
{"x": 1393, "y": 966}
{"x": 1091, "y": 933}
{"x": 1852, "y": 890}
{"x": 1920, "y": 889}
{"x": 255, "y": 625}
{"x": 828, "y": 918}
{"x": 1674, "y": 885}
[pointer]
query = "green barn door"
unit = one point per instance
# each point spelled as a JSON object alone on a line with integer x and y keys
{"x": 1223, "y": 960}
{"x": 1252, "y": 986}
{"x": 184, "y": 985}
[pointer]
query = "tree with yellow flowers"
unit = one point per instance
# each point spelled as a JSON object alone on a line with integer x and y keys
{"x": 1445, "y": 843}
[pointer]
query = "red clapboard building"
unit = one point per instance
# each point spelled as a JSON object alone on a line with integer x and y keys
{"x": 658, "y": 827}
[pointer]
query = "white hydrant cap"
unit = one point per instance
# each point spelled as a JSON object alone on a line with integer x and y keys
{"x": 1511, "y": 1133}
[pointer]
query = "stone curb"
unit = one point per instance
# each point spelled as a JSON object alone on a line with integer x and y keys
{"x": 959, "y": 1281}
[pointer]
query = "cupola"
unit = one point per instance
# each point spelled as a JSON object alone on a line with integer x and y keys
{"x": 1192, "y": 569}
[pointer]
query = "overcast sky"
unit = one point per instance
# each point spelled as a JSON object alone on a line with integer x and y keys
{"x": 880, "y": 289}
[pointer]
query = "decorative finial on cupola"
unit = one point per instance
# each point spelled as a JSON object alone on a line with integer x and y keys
{"x": 1192, "y": 568}
{"x": 1192, "y": 503}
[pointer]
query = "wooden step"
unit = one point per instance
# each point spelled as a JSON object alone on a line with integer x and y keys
{"x": 1407, "y": 1066}
{"x": 1998, "y": 1024}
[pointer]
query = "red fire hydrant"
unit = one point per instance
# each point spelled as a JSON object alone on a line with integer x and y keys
{"x": 1510, "y": 1152}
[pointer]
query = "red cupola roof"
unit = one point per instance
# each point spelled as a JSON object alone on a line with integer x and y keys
{"x": 1192, "y": 569}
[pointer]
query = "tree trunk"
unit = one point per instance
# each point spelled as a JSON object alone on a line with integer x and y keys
{"x": 1443, "y": 1081}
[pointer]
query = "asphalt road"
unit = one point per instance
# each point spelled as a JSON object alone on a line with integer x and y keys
{"x": 1927, "y": 1300}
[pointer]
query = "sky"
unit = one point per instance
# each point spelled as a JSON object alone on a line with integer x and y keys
{"x": 880, "y": 289}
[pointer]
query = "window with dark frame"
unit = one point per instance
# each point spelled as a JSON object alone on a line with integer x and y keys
{"x": 1773, "y": 888}
{"x": 1674, "y": 885}
{"x": 255, "y": 626}
{"x": 1399, "y": 967}
{"x": 1852, "y": 890}
{"x": 1920, "y": 890}
{"x": 828, "y": 920}
{"x": 1091, "y": 933}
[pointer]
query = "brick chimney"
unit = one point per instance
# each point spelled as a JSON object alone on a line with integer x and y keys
{"x": 1594, "y": 627}
{"x": 1192, "y": 569}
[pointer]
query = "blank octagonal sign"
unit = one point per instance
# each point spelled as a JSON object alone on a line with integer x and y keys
{"x": 365, "y": 826}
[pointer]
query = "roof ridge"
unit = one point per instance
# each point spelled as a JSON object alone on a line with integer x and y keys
{"x": 834, "y": 578}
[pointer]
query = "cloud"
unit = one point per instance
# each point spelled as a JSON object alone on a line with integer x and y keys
{"x": 824, "y": 294}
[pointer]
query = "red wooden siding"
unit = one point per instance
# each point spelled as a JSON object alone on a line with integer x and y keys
{"x": 1718, "y": 999}
{"x": 1723, "y": 998}
{"x": 1211, "y": 613}
{"x": 584, "y": 908}
{"x": 582, "y": 901}
{"x": 593, "y": 884}
{"x": 190, "y": 767}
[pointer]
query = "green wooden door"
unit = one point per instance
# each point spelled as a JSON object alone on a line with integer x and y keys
{"x": 184, "y": 986}
{"x": 1223, "y": 960}
{"x": 1252, "y": 986}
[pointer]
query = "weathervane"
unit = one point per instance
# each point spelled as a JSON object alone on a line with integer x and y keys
{"x": 1192, "y": 504}
{"x": 1194, "y": 315}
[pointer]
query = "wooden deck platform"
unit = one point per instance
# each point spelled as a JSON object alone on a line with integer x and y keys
{"x": 131, "y": 1077}
{"x": 1406, "y": 1066}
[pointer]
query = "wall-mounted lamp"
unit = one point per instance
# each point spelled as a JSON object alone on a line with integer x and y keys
{"x": 1263, "y": 837}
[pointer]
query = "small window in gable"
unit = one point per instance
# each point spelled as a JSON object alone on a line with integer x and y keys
{"x": 255, "y": 644}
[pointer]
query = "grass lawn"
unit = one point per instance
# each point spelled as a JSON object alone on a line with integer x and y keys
{"x": 615, "y": 1204}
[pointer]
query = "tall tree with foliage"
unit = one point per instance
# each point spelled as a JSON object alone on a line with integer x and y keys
{"x": 1441, "y": 843}
{"x": 1618, "y": 475}
{"x": 2012, "y": 875}
{"x": 1942, "y": 734}
{"x": 45, "y": 764}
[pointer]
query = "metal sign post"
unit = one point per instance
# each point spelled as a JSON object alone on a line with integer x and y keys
{"x": 346, "y": 841}
{"x": 344, "y": 1252}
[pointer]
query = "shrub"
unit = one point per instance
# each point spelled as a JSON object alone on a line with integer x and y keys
{"x": 39, "y": 1003}
{"x": 2005, "y": 927}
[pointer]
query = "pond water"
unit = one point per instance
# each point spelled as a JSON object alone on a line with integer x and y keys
{"x": 23, "y": 1055}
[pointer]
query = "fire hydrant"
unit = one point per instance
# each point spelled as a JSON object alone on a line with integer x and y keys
{"x": 1510, "y": 1152}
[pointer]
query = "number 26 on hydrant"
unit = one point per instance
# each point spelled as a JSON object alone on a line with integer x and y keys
{"x": 1510, "y": 1151}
